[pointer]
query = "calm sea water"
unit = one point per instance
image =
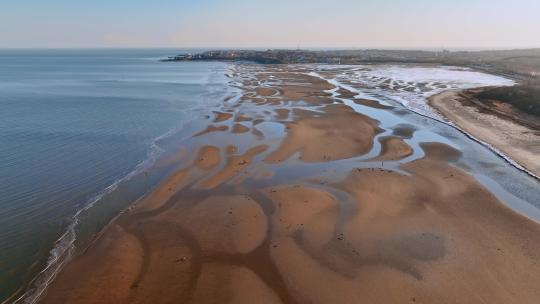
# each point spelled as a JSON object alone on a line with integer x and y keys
{"x": 84, "y": 133}
{"x": 73, "y": 126}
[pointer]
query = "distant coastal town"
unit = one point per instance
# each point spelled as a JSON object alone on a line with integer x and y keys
{"x": 515, "y": 63}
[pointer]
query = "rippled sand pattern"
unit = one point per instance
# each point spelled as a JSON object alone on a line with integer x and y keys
{"x": 303, "y": 192}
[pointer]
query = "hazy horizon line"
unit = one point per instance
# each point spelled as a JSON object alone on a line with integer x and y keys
{"x": 311, "y": 48}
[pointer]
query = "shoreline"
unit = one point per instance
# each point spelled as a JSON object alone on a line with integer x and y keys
{"x": 276, "y": 205}
{"x": 238, "y": 223}
{"x": 144, "y": 175}
{"x": 503, "y": 135}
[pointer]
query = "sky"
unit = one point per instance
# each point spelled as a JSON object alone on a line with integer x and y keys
{"x": 271, "y": 23}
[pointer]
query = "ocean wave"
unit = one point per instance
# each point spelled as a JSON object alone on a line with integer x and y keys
{"x": 64, "y": 247}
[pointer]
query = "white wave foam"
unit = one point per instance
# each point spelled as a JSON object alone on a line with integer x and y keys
{"x": 64, "y": 247}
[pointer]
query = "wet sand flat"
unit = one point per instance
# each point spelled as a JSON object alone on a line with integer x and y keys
{"x": 286, "y": 208}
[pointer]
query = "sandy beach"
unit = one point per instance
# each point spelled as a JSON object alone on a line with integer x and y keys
{"x": 517, "y": 139}
{"x": 274, "y": 203}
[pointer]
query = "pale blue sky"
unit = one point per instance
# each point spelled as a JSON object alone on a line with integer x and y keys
{"x": 271, "y": 23}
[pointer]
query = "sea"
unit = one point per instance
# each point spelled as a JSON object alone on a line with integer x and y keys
{"x": 80, "y": 134}
{"x": 85, "y": 133}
